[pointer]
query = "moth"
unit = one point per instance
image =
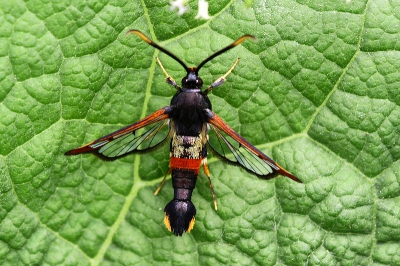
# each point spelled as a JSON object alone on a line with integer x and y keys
{"x": 191, "y": 128}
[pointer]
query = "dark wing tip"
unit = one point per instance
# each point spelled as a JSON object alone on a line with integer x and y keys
{"x": 282, "y": 171}
{"x": 83, "y": 149}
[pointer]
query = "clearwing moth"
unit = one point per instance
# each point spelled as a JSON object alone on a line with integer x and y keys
{"x": 191, "y": 127}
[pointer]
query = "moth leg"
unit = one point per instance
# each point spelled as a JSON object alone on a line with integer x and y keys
{"x": 222, "y": 79}
{"x": 207, "y": 172}
{"x": 169, "y": 79}
{"x": 163, "y": 181}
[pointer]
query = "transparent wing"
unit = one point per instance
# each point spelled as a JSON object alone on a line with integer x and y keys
{"x": 233, "y": 152}
{"x": 233, "y": 148}
{"x": 131, "y": 142}
{"x": 141, "y": 136}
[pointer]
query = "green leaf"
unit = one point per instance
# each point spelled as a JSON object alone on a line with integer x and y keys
{"x": 319, "y": 92}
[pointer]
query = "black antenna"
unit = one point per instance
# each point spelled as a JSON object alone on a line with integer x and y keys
{"x": 144, "y": 38}
{"x": 223, "y": 50}
{"x": 232, "y": 45}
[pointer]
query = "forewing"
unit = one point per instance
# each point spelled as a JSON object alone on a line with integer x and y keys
{"x": 233, "y": 148}
{"x": 141, "y": 136}
{"x": 233, "y": 152}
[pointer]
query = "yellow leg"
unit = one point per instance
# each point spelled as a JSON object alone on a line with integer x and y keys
{"x": 222, "y": 79}
{"x": 163, "y": 181}
{"x": 169, "y": 79}
{"x": 207, "y": 172}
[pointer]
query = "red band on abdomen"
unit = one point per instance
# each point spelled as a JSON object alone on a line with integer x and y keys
{"x": 183, "y": 163}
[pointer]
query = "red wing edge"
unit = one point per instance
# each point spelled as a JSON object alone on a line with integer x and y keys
{"x": 95, "y": 146}
{"x": 218, "y": 123}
